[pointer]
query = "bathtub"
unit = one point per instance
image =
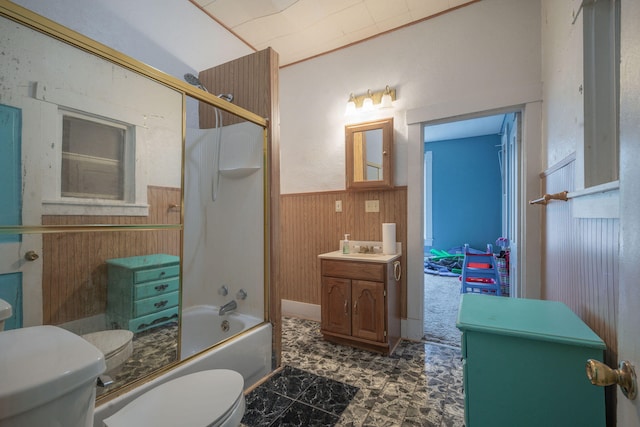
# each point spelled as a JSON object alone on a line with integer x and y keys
{"x": 203, "y": 327}
{"x": 249, "y": 354}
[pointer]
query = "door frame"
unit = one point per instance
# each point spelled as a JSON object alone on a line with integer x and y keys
{"x": 528, "y": 221}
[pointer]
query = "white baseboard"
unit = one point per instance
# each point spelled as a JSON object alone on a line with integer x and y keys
{"x": 301, "y": 310}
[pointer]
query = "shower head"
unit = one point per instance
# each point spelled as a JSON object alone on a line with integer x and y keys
{"x": 226, "y": 96}
{"x": 193, "y": 80}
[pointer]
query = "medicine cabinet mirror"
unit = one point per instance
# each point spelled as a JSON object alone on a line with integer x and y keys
{"x": 369, "y": 155}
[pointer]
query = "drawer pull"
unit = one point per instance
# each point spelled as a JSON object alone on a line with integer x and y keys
{"x": 158, "y": 320}
{"x": 161, "y": 304}
{"x": 162, "y": 287}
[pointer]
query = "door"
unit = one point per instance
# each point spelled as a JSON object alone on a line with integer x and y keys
{"x": 629, "y": 284}
{"x": 368, "y": 310}
{"x": 336, "y": 305}
{"x": 19, "y": 276}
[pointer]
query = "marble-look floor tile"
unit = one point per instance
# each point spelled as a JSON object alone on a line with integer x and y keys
{"x": 420, "y": 384}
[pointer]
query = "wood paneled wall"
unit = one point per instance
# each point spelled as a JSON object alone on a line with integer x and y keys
{"x": 254, "y": 82}
{"x": 74, "y": 276}
{"x": 251, "y": 81}
{"x": 311, "y": 226}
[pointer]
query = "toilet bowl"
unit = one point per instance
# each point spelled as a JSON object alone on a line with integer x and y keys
{"x": 205, "y": 398}
{"x": 5, "y": 312}
{"x": 48, "y": 378}
{"x": 115, "y": 344}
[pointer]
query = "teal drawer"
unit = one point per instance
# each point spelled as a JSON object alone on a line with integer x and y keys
{"x": 158, "y": 287}
{"x": 153, "y": 304}
{"x": 156, "y": 319}
{"x": 156, "y": 273}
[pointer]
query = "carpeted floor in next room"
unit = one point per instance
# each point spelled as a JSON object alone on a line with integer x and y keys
{"x": 441, "y": 303}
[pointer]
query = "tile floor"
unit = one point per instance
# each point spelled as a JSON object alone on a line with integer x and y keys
{"x": 152, "y": 349}
{"x": 419, "y": 385}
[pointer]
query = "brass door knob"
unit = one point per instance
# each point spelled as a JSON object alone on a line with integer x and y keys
{"x": 31, "y": 256}
{"x": 625, "y": 376}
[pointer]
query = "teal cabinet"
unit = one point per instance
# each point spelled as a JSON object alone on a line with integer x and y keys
{"x": 524, "y": 364}
{"x": 143, "y": 291}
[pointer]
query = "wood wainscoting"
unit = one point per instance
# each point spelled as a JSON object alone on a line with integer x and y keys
{"x": 310, "y": 226}
{"x": 74, "y": 273}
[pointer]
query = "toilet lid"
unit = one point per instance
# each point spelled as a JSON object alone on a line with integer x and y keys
{"x": 194, "y": 400}
{"x": 111, "y": 341}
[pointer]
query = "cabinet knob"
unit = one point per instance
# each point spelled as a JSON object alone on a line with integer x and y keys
{"x": 31, "y": 256}
{"x": 625, "y": 376}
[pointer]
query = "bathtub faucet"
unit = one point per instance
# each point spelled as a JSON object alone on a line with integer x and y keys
{"x": 228, "y": 307}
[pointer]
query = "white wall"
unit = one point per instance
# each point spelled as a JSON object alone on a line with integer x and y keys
{"x": 563, "y": 114}
{"x": 172, "y": 35}
{"x": 481, "y": 57}
{"x": 490, "y": 46}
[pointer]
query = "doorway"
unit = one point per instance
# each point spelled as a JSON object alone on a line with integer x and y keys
{"x": 470, "y": 175}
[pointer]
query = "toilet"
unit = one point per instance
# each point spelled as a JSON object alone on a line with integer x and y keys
{"x": 201, "y": 399}
{"x": 5, "y": 313}
{"x": 115, "y": 344}
{"x": 48, "y": 378}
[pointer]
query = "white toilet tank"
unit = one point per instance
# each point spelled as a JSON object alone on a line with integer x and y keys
{"x": 48, "y": 378}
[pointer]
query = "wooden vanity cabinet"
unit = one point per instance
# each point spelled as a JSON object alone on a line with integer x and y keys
{"x": 360, "y": 304}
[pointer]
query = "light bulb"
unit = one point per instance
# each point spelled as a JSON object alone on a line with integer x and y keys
{"x": 367, "y": 104}
{"x": 351, "y": 106}
{"x": 386, "y": 101}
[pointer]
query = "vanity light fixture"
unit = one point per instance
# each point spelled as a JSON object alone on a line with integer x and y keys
{"x": 367, "y": 104}
{"x": 386, "y": 101}
{"x": 369, "y": 100}
{"x": 351, "y": 105}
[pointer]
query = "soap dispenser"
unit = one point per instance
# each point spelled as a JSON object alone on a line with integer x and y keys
{"x": 345, "y": 244}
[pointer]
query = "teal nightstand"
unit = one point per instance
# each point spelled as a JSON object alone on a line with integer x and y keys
{"x": 143, "y": 291}
{"x": 524, "y": 364}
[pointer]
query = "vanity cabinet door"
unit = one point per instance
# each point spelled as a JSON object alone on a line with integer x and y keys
{"x": 336, "y": 305}
{"x": 368, "y": 319}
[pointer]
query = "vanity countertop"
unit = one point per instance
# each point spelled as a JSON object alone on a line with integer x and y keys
{"x": 369, "y": 257}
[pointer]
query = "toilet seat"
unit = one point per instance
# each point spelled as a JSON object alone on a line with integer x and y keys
{"x": 201, "y": 399}
{"x": 110, "y": 342}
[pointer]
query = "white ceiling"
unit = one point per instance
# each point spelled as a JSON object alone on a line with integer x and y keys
{"x": 490, "y": 125}
{"x": 302, "y": 29}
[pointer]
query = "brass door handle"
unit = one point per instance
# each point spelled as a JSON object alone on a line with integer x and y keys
{"x": 31, "y": 256}
{"x": 625, "y": 376}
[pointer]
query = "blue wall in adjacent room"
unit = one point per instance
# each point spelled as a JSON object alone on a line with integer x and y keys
{"x": 466, "y": 192}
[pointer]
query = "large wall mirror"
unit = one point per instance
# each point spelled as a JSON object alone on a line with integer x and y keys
{"x": 93, "y": 212}
{"x": 369, "y": 155}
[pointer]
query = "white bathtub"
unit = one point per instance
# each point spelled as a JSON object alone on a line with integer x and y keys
{"x": 203, "y": 327}
{"x": 248, "y": 354}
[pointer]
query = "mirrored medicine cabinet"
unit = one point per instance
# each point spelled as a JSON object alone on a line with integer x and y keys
{"x": 369, "y": 155}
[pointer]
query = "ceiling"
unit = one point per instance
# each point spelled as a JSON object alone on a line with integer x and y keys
{"x": 302, "y": 29}
{"x": 489, "y": 125}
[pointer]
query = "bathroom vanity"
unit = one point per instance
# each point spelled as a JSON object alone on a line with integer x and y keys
{"x": 142, "y": 291}
{"x": 524, "y": 364}
{"x": 360, "y": 303}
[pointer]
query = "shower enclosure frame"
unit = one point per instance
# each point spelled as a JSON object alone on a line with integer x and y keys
{"x": 52, "y": 29}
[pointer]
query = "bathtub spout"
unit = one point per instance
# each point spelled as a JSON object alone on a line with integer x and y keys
{"x": 228, "y": 307}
